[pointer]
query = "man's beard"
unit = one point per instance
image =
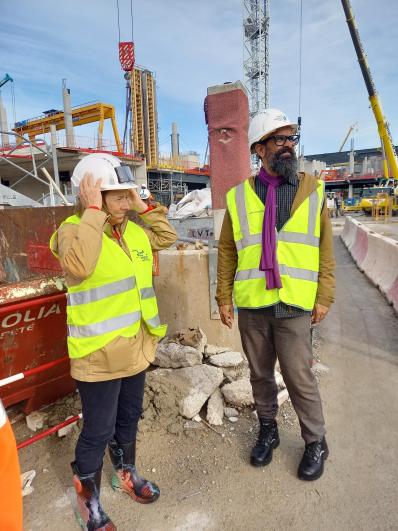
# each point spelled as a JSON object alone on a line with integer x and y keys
{"x": 284, "y": 166}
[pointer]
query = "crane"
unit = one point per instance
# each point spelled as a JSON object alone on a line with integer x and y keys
{"x": 384, "y": 132}
{"x": 350, "y": 129}
{"x": 5, "y": 79}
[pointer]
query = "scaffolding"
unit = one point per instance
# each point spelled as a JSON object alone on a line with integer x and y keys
{"x": 144, "y": 115}
{"x": 167, "y": 188}
{"x": 255, "y": 53}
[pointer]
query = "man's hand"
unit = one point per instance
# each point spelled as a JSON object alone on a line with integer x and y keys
{"x": 318, "y": 313}
{"x": 227, "y": 314}
{"x": 136, "y": 203}
{"x": 90, "y": 193}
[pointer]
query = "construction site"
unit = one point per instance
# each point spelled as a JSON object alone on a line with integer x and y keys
{"x": 199, "y": 419}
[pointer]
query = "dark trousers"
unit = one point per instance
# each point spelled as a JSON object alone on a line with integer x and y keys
{"x": 111, "y": 409}
{"x": 266, "y": 338}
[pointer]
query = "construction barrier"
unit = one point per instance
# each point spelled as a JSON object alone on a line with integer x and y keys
{"x": 375, "y": 255}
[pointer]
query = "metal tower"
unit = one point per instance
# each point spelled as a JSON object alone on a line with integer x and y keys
{"x": 255, "y": 52}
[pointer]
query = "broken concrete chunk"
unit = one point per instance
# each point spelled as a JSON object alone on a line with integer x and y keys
{"x": 231, "y": 412}
{"x": 212, "y": 350}
{"x": 188, "y": 388}
{"x": 174, "y": 356}
{"x": 279, "y": 379}
{"x": 67, "y": 429}
{"x": 238, "y": 393}
{"x": 215, "y": 408}
{"x": 35, "y": 420}
{"x": 226, "y": 359}
{"x": 191, "y": 337}
{"x": 26, "y": 482}
{"x": 233, "y": 419}
{"x": 282, "y": 396}
{"x": 236, "y": 373}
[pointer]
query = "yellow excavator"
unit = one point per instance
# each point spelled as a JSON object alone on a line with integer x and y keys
{"x": 390, "y": 160}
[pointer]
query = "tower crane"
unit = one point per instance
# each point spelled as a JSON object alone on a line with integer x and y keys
{"x": 391, "y": 165}
{"x": 5, "y": 79}
{"x": 350, "y": 129}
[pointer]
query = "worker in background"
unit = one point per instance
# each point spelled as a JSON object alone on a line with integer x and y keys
{"x": 113, "y": 324}
{"x": 275, "y": 255}
{"x": 330, "y": 202}
{"x": 337, "y": 202}
{"x": 146, "y": 195}
{"x": 10, "y": 478}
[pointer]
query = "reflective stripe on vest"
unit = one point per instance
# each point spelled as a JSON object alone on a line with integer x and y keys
{"x": 96, "y": 294}
{"x": 104, "y": 327}
{"x": 297, "y": 250}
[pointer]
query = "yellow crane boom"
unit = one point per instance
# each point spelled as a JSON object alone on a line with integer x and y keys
{"x": 382, "y": 125}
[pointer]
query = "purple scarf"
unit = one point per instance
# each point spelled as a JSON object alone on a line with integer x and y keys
{"x": 268, "y": 262}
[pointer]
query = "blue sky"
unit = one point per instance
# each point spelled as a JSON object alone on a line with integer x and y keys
{"x": 192, "y": 44}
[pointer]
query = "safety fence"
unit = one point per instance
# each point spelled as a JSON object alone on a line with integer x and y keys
{"x": 54, "y": 429}
{"x": 376, "y": 255}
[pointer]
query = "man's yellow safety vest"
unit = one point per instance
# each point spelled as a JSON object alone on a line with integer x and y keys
{"x": 297, "y": 250}
{"x": 116, "y": 297}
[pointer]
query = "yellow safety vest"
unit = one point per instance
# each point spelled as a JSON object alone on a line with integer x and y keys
{"x": 116, "y": 297}
{"x": 297, "y": 250}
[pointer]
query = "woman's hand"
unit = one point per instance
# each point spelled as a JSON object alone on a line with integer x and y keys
{"x": 90, "y": 192}
{"x": 136, "y": 202}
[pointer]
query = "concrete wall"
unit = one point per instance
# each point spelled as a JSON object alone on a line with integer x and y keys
{"x": 183, "y": 295}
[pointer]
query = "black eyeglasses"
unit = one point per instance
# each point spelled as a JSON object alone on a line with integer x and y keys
{"x": 280, "y": 140}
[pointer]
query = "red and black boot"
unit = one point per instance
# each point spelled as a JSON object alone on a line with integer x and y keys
{"x": 88, "y": 510}
{"x": 126, "y": 477}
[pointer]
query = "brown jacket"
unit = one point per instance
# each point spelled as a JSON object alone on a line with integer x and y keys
{"x": 79, "y": 247}
{"x": 228, "y": 256}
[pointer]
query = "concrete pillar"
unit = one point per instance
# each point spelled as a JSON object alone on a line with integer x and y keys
{"x": 365, "y": 166}
{"x": 227, "y": 118}
{"x": 175, "y": 142}
{"x": 5, "y": 139}
{"x": 53, "y": 132}
{"x": 70, "y": 141}
{"x": 350, "y": 191}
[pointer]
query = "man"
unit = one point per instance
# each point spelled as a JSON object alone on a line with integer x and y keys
{"x": 276, "y": 256}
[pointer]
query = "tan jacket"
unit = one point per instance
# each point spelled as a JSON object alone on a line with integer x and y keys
{"x": 79, "y": 247}
{"x": 228, "y": 256}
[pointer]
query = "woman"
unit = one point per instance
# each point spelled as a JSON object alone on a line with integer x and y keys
{"x": 113, "y": 324}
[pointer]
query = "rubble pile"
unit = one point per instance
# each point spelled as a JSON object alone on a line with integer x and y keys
{"x": 191, "y": 374}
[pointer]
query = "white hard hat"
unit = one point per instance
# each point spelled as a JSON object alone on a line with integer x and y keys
{"x": 144, "y": 192}
{"x": 266, "y": 122}
{"x": 114, "y": 174}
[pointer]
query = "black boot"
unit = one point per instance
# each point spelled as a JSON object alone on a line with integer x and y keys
{"x": 126, "y": 477}
{"x": 89, "y": 512}
{"x": 268, "y": 439}
{"x": 312, "y": 463}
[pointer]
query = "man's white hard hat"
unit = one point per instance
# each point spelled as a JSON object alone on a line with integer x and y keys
{"x": 114, "y": 174}
{"x": 266, "y": 122}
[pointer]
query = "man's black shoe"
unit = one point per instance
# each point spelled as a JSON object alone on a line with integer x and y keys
{"x": 312, "y": 463}
{"x": 268, "y": 439}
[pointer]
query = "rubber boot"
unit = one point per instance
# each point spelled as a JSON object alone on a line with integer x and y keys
{"x": 89, "y": 512}
{"x": 126, "y": 477}
{"x": 268, "y": 440}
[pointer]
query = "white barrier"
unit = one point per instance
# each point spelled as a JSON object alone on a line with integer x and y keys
{"x": 376, "y": 256}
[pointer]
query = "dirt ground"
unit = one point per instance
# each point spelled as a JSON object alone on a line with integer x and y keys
{"x": 205, "y": 479}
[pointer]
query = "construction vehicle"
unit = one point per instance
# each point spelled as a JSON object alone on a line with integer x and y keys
{"x": 390, "y": 162}
{"x": 376, "y": 198}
